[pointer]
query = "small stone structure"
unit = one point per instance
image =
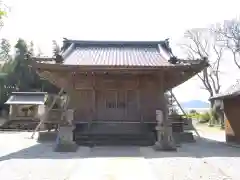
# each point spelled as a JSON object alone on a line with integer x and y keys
{"x": 26, "y": 109}
{"x": 26, "y": 105}
{"x": 165, "y": 139}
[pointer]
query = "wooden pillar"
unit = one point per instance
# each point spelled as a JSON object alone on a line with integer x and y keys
{"x": 139, "y": 99}
{"x": 94, "y": 103}
{"x": 165, "y": 141}
{"x": 126, "y": 105}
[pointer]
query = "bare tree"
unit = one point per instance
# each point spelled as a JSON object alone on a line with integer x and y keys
{"x": 201, "y": 43}
{"x": 56, "y": 52}
{"x": 228, "y": 36}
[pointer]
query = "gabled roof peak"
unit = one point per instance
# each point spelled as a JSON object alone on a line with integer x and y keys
{"x": 111, "y": 42}
{"x": 96, "y": 43}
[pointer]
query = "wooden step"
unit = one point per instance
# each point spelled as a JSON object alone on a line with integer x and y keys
{"x": 24, "y": 124}
{"x": 117, "y": 139}
{"x": 112, "y": 133}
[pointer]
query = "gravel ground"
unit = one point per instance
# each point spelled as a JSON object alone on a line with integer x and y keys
{"x": 22, "y": 158}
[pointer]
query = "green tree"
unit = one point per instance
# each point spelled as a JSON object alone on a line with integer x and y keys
{"x": 5, "y": 88}
{"x": 5, "y": 50}
{"x": 5, "y": 55}
{"x": 18, "y": 75}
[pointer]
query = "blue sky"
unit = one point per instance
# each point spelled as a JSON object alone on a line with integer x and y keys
{"x": 45, "y": 20}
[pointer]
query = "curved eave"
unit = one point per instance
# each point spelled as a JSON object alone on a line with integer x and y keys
{"x": 225, "y": 96}
{"x": 76, "y": 68}
{"x": 174, "y": 75}
{"x": 180, "y": 76}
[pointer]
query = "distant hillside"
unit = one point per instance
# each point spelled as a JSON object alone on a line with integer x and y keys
{"x": 195, "y": 104}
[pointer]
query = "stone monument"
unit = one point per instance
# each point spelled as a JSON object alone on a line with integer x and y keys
{"x": 165, "y": 141}
{"x": 64, "y": 142}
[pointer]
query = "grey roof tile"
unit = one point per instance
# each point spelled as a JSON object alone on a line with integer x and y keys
{"x": 116, "y": 56}
{"x": 27, "y": 98}
{"x": 233, "y": 90}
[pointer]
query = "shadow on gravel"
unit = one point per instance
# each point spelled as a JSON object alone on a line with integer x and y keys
{"x": 201, "y": 148}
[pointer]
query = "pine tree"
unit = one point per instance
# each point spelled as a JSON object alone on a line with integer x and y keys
{"x": 5, "y": 50}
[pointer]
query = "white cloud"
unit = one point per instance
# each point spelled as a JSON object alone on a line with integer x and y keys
{"x": 45, "y": 20}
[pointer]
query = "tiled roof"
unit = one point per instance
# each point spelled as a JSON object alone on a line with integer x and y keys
{"x": 115, "y": 53}
{"x": 116, "y": 56}
{"x": 27, "y": 98}
{"x": 233, "y": 90}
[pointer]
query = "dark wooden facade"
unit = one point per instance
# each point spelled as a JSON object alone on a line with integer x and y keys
{"x": 116, "y": 97}
{"x": 230, "y": 103}
{"x": 126, "y": 85}
{"x": 232, "y": 119}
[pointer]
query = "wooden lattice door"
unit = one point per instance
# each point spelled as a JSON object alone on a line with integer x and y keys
{"x": 83, "y": 104}
{"x": 132, "y": 102}
{"x": 111, "y": 105}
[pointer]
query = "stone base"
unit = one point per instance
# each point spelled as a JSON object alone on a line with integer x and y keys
{"x": 47, "y": 136}
{"x": 164, "y": 147}
{"x": 66, "y": 147}
{"x": 183, "y": 137}
{"x": 64, "y": 140}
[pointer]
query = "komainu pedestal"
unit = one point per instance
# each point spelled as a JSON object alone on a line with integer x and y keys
{"x": 64, "y": 142}
{"x": 165, "y": 141}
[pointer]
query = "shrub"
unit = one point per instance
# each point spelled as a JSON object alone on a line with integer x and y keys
{"x": 194, "y": 115}
{"x": 193, "y": 111}
{"x": 205, "y": 117}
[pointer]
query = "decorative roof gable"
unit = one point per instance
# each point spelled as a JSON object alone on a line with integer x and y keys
{"x": 115, "y": 53}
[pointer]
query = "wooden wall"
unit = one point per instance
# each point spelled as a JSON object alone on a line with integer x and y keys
{"x": 232, "y": 115}
{"x": 113, "y": 97}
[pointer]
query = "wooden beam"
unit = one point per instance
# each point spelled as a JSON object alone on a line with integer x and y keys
{"x": 47, "y": 112}
{"x": 94, "y": 98}
{"x": 126, "y": 104}
{"x": 111, "y": 68}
